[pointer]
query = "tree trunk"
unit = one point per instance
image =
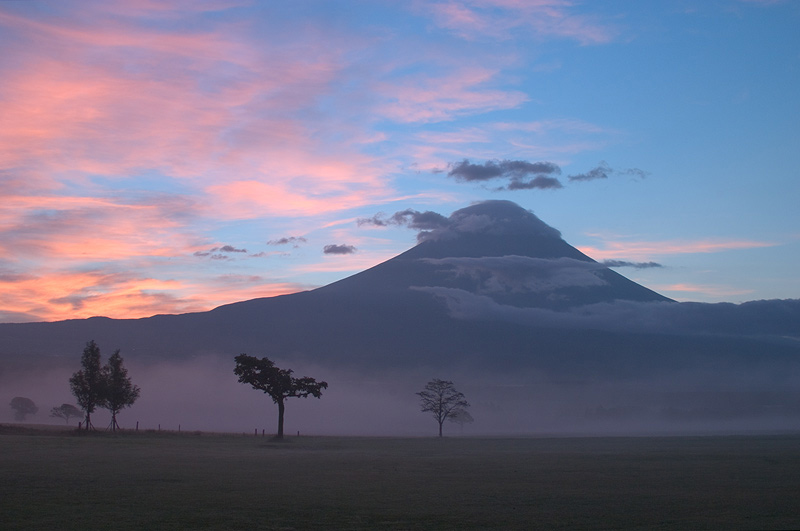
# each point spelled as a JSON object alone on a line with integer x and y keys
{"x": 440, "y": 429}
{"x": 88, "y": 420}
{"x": 280, "y": 420}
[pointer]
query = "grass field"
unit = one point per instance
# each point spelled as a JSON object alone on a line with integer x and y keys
{"x": 59, "y": 480}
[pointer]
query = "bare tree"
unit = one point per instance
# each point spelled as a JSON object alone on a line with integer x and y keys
{"x": 22, "y": 408}
{"x": 441, "y": 399}
{"x": 66, "y": 412}
{"x": 279, "y": 384}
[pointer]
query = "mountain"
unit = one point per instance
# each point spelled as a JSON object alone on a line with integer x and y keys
{"x": 491, "y": 293}
{"x": 393, "y": 313}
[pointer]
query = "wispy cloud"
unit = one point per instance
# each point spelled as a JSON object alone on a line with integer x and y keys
{"x": 500, "y": 19}
{"x": 715, "y": 291}
{"x": 643, "y": 250}
{"x": 603, "y": 171}
{"x": 635, "y": 265}
{"x": 287, "y": 240}
{"x": 426, "y": 98}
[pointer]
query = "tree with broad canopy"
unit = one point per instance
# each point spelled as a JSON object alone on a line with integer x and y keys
{"x": 279, "y": 384}
{"x": 22, "y": 408}
{"x": 66, "y": 412}
{"x": 441, "y": 399}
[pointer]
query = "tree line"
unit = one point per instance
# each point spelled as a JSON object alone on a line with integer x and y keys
{"x": 109, "y": 387}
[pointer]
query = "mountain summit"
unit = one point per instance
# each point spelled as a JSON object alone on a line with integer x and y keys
{"x": 499, "y": 250}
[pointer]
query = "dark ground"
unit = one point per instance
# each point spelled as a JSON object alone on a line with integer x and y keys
{"x": 57, "y": 479}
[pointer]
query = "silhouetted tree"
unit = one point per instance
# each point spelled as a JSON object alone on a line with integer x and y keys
{"x": 22, "y": 408}
{"x": 279, "y": 384}
{"x": 442, "y": 400}
{"x": 118, "y": 391}
{"x": 87, "y": 384}
{"x": 65, "y": 411}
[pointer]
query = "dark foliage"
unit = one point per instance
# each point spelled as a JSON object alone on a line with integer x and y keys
{"x": 118, "y": 391}
{"x": 87, "y": 383}
{"x": 106, "y": 386}
{"x": 279, "y": 384}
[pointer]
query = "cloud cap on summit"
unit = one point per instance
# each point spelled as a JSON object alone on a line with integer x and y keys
{"x": 496, "y": 217}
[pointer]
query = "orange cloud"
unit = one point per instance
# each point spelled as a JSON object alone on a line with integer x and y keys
{"x": 53, "y": 295}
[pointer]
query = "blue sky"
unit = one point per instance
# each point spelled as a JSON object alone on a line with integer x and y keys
{"x": 172, "y": 156}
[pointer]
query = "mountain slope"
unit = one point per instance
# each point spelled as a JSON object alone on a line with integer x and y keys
{"x": 491, "y": 284}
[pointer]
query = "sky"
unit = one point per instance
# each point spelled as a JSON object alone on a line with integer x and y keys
{"x": 163, "y": 156}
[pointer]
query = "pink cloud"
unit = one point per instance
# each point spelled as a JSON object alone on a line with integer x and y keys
{"x": 708, "y": 290}
{"x": 429, "y": 99}
{"x": 646, "y": 250}
{"x": 78, "y": 229}
{"x": 54, "y": 295}
{"x": 499, "y": 18}
{"x": 189, "y": 104}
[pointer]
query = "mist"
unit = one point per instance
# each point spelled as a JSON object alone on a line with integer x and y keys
{"x": 203, "y": 395}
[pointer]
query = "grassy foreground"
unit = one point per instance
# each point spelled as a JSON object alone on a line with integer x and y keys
{"x": 59, "y": 480}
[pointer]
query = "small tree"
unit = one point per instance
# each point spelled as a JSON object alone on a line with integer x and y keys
{"x": 279, "y": 384}
{"x": 118, "y": 391}
{"x": 66, "y": 412}
{"x": 87, "y": 384}
{"x": 442, "y": 400}
{"x": 22, "y": 408}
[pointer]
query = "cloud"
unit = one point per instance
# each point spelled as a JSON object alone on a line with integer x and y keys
{"x": 599, "y": 172}
{"x": 339, "y": 249}
{"x": 413, "y": 219}
{"x": 541, "y": 182}
{"x": 490, "y": 217}
{"x": 504, "y": 19}
{"x": 522, "y": 175}
{"x": 231, "y": 249}
{"x": 635, "y": 265}
{"x": 293, "y": 240}
{"x": 621, "y": 250}
{"x": 603, "y": 170}
{"x": 219, "y": 253}
{"x": 492, "y": 169}
{"x": 523, "y": 274}
{"x": 780, "y": 318}
{"x": 431, "y": 99}
{"x": 704, "y": 289}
